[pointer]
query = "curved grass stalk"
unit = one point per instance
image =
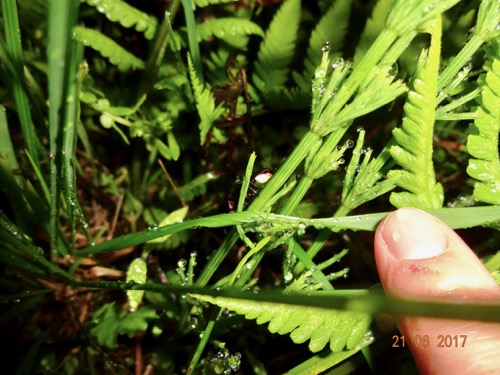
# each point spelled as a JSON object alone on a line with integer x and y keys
{"x": 456, "y": 218}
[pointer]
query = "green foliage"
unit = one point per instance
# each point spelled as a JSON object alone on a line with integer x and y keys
{"x": 337, "y": 15}
{"x": 126, "y": 15}
{"x": 159, "y": 218}
{"x": 374, "y": 25}
{"x": 414, "y": 138}
{"x": 111, "y": 320}
{"x": 137, "y": 272}
{"x": 99, "y": 149}
{"x": 227, "y": 29}
{"x": 205, "y": 104}
{"x": 117, "y": 55}
{"x": 204, "y": 3}
{"x": 321, "y": 327}
{"x": 482, "y": 143}
{"x": 277, "y": 49}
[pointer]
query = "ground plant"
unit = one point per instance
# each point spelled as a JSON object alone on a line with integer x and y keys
{"x": 192, "y": 186}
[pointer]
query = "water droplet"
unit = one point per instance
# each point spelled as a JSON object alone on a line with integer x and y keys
{"x": 326, "y": 47}
{"x": 349, "y": 143}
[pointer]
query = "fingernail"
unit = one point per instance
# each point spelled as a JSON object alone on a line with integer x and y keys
{"x": 413, "y": 234}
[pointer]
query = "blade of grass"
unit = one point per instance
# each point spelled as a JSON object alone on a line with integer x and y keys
{"x": 456, "y": 218}
{"x": 71, "y": 118}
{"x": 6, "y": 147}
{"x": 22, "y": 246}
{"x": 62, "y": 18}
{"x": 160, "y": 45}
{"x": 373, "y": 303}
{"x": 10, "y": 186}
{"x": 194, "y": 48}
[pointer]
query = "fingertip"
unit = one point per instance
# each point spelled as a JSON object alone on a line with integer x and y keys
{"x": 420, "y": 257}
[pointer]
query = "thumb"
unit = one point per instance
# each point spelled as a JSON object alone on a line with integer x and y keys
{"x": 420, "y": 257}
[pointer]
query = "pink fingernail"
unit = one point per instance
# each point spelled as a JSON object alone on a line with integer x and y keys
{"x": 413, "y": 234}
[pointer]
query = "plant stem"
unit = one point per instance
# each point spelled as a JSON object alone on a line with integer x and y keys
{"x": 271, "y": 188}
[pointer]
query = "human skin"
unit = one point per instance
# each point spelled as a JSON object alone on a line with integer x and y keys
{"x": 420, "y": 257}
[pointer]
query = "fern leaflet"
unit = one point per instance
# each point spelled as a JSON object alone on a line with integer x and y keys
{"x": 116, "y": 54}
{"x": 277, "y": 48}
{"x": 224, "y": 27}
{"x": 337, "y": 15}
{"x": 482, "y": 144}
{"x": 205, "y": 103}
{"x": 414, "y": 138}
{"x": 126, "y": 15}
{"x": 321, "y": 326}
{"x": 373, "y": 28}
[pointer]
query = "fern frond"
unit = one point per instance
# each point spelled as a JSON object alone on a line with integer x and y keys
{"x": 373, "y": 28}
{"x": 321, "y": 326}
{"x": 337, "y": 15}
{"x": 277, "y": 48}
{"x": 284, "y": 97}
{"x": 482, "y": 144}
{"x": 227, "y": 27}
{"x": 116, "y": 54}
{"x": 205, "y": 103}
{"x": 414, "y": 138}
{"x": 126, "y": 15}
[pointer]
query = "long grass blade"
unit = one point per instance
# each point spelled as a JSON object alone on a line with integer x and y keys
{"x": 62, "y": 19}
{"x": 14, "y": 49}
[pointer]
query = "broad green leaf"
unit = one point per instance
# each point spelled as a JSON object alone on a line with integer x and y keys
{"x": 112, "y": 320}
{"x": 137, "y": 272}
{"x": 176, "y": 216}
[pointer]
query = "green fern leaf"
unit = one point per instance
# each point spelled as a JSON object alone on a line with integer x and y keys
{"x": 414, "y": 138}
{"x": 205, "y": 104}
{"x": 284, "y": 97}
{"x": 337, "y": 15}
{"x": 482, "y": 144}
{"x": 277, "y": 48}
{"x": 227, "y": 27}
{"x": 341, "y": 329}
{"x": 373, "y": 28}
{"x": 126, "y": 15}
{"x": 116, "y": 54}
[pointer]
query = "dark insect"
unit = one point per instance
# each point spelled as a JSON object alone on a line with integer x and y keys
{"x": 254, "y": 187}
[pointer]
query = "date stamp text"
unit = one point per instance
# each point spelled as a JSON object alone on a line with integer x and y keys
{"x": 427, "y": 341}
